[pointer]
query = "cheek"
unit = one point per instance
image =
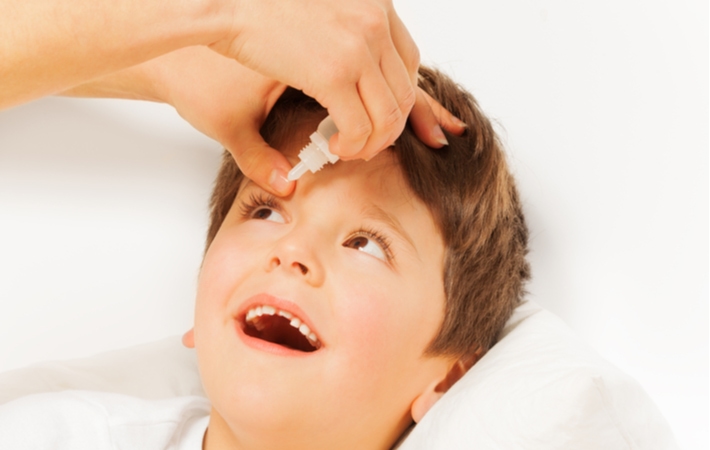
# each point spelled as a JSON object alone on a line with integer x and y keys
{"x": 367, "y": 316}
{"x": 367, "y": 346}
{"x": 227, "y": 264}
{"x": 383, "y": 327}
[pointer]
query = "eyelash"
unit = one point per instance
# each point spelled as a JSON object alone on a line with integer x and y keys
{"x": 381, "y": 240}
{"x": 260, "y": 200}
{"x": 256, "y": 201}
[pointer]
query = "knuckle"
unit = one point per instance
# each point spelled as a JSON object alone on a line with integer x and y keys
{"x": 354, "y": 139}
{"x": 392, "y": 118}
{"x": 408, "y": 100}
{"x": 339, "y": 73}
{"x": 375, "y": 22}
{"x": 361, "y": 131}
{"x": 248, "y": 161}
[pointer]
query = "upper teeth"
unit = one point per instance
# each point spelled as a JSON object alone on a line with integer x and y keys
{"x": 254, "y": 313}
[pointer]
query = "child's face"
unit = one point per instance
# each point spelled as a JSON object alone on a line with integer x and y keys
{"x": 355, "y": 256}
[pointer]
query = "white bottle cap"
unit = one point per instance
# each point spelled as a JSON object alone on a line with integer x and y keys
{"x": 316, "y": 153}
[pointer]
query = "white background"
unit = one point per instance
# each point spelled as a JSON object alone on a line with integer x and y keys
{"x": 603, "y": 107}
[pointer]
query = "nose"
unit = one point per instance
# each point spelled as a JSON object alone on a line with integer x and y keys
{"x": 296, "y": 254}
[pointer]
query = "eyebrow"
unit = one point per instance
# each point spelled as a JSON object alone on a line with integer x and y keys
{"x": 374, "y": 212}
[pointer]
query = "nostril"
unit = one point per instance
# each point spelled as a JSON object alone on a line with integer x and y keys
{"x": 304, "y": 269}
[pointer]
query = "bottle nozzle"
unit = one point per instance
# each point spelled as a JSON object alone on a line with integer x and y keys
{"x": 316, "y": 153}
{"x": 298, "y": 170}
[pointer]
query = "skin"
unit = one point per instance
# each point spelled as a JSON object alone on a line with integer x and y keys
{"x": 208, "y": 90}
{"x": 361, "y": 65}
{"x": 374, "y": 314}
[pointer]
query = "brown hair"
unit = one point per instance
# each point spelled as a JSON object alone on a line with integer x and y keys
{"x": 471, "y": 195}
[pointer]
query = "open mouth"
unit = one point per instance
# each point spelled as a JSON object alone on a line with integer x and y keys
{"x": 279, "y": 327}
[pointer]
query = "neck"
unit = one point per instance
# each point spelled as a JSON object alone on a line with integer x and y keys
{"x": 220, "y": 436}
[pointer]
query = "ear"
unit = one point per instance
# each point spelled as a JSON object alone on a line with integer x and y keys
{"x": 188, "y": 339}
{"x": 423, "y": 403}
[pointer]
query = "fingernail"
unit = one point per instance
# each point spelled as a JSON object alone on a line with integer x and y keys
{"x": 438, "y": 135}
{"x": 460, "y": 122}
{"x": 279, "y": 182}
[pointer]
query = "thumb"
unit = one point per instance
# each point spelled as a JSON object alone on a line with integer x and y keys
{"x": 261, "y": 163}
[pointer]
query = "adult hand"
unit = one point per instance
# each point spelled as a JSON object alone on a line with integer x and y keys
{"x": 355, "y": 57}
{"x": 229, "y": 103}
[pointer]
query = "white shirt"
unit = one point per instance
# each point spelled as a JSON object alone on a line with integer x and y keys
{"x": 84, "y": 420}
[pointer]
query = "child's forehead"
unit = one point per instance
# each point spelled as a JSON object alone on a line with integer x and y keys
{"x": 380, "y": 178}
{"x": 376, "y": 188}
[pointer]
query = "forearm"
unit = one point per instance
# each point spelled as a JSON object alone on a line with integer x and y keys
{"x": 139, "y": 82}
{"x": 48, "y": 46}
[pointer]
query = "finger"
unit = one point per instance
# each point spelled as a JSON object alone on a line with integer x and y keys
{"x": 261, "y": 163}
{"x": 406, "y": 48}
{"x": 399, "y": 65}
{"x": 448, "y": 121}
{"x": 385, "y": 114}
{"x": 425, "y": 123}
{"x": 404, "y": 94}
{"x": 347, "y": 110}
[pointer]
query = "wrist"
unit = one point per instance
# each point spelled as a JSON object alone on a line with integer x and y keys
{"x": 217, "y": 19}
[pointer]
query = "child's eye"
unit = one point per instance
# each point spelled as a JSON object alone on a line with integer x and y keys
{"x": 266, "y": 213}
{"x": 370, "y": 243}
{"x": 261, "y": 207}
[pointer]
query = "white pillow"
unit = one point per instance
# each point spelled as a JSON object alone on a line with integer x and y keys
{"x": 539, "y": 387}
{"x": 161, "y": 369}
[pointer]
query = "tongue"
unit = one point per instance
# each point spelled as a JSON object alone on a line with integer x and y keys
{"x": 278, "y": 330}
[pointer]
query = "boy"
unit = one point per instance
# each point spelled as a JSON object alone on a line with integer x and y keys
{"x": 335, "y": 317}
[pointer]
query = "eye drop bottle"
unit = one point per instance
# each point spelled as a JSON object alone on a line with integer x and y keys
{"x": 314, "y": 155}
